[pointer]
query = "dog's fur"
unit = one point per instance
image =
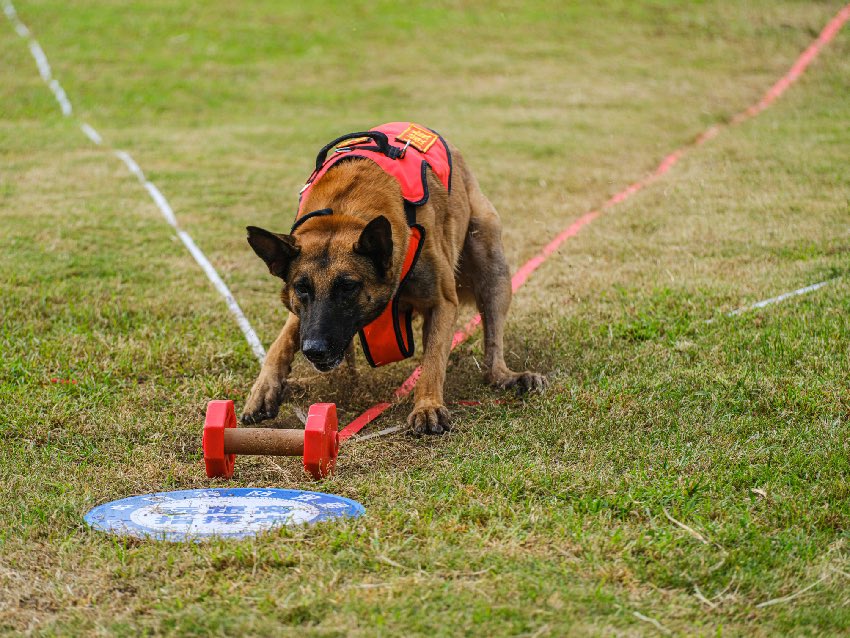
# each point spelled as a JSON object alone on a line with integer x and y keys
{"x": 341, "y": 270}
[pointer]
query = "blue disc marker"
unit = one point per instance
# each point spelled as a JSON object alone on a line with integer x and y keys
{"x": 223, "y": 513}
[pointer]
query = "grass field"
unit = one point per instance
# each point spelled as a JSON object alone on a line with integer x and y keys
{"x": 552, "y": 516}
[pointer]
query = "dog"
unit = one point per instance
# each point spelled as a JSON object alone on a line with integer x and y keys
{"x": 393, "y": 224}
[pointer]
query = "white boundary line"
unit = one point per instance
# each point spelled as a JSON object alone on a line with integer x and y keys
{"x": 156, "y": 195}
{"x": 777, "y": 299}
{"x": 93, "y": 135}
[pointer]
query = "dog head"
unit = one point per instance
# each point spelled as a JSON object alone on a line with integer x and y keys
{"x": 337, "y": 278}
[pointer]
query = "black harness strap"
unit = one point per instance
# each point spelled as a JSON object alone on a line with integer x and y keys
{"x": 304, "y": 218}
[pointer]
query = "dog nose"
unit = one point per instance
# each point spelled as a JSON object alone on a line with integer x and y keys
{"x": 315, "y": 348}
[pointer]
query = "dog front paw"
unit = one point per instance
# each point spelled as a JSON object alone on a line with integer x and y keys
{"x": 429, "y": 418}
{"x": 264, "y": 401}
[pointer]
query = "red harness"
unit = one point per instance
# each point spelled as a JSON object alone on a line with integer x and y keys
{"x": 404, "y": 150}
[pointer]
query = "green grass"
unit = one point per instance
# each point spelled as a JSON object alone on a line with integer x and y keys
{"x": 550, "y": 516}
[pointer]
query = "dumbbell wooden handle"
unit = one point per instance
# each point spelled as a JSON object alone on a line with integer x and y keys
{"x": 263, "y": 441}
{"x": 317, "y": 443}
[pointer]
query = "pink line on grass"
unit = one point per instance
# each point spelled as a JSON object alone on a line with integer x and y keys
{"x": 527, "y": 269}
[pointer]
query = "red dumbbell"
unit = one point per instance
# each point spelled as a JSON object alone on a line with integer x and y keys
{"x": 318, "y": 443}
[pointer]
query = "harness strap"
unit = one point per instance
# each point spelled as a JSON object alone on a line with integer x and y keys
{"x": 380, "y": 350}
{"x": 304, "y": 218}
{"x": 384, "y": 146}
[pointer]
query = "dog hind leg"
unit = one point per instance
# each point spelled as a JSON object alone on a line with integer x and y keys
{"x": 491, "y": 287}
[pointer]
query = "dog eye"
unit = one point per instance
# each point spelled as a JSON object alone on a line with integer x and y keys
{"x": 302, "y": 289}
{"x": 348, "y": 286}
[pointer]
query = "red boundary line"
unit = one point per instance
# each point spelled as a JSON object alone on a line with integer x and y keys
{"x": 803, "y": 61}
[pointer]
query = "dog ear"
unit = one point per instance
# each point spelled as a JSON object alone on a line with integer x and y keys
{"x": 276, "y": 250}
{"x": 376, "y": 243}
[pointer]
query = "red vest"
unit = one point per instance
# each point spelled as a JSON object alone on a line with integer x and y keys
{"x": 404, "y": 150}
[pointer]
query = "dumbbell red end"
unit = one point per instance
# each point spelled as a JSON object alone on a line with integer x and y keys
{"x": 321, "y": 440}
{"x": 220, "y": 415}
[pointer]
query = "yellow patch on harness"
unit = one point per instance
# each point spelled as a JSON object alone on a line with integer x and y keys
{"x": 420, "y": 138}
{"x": 354, "y": 142}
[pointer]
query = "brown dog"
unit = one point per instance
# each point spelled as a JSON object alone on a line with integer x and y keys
{"x": 343, "y": 266}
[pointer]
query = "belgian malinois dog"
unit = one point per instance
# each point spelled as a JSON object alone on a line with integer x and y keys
{"x": 343, "y": 267}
